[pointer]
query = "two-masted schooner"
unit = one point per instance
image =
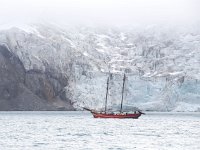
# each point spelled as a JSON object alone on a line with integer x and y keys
{"x": 121, "y": 114}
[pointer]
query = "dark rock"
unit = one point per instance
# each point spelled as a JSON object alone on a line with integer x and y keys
{"x": 32, "y": 90}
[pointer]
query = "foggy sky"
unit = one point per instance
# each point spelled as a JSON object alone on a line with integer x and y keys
{"x": 103, "y": 12}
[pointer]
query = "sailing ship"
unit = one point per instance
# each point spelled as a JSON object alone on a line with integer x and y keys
{"x": 121, "y": 114}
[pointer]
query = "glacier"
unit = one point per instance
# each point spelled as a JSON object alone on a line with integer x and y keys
{"x": 162, "y": 64}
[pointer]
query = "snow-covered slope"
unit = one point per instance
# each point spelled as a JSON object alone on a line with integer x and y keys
{"x": 162, "y": 63}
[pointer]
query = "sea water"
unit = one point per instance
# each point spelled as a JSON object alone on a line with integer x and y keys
{"x": 80, "y": 131}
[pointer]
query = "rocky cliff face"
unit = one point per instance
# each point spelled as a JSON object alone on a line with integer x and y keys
{"x": 27, "y": 90}
{"x": 45, "y": 67}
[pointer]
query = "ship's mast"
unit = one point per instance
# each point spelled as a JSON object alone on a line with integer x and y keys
{"x": 122, "y": 93}
{"x": 107, "y": 94}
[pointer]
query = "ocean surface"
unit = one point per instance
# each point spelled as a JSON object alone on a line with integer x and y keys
{"x": 80, "y": 131}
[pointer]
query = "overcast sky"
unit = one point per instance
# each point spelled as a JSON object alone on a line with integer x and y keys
{"x": 113, "y": 12}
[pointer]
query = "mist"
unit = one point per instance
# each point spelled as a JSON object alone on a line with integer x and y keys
{"x": 101, "y": 12}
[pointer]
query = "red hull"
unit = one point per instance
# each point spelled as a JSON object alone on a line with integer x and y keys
{"x": 120, "y": 116}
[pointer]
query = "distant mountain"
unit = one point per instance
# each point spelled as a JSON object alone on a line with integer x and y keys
{"x": 51, "y": 67}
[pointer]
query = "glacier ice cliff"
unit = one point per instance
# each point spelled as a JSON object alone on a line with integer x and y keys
{"x": 50, "y": 67}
